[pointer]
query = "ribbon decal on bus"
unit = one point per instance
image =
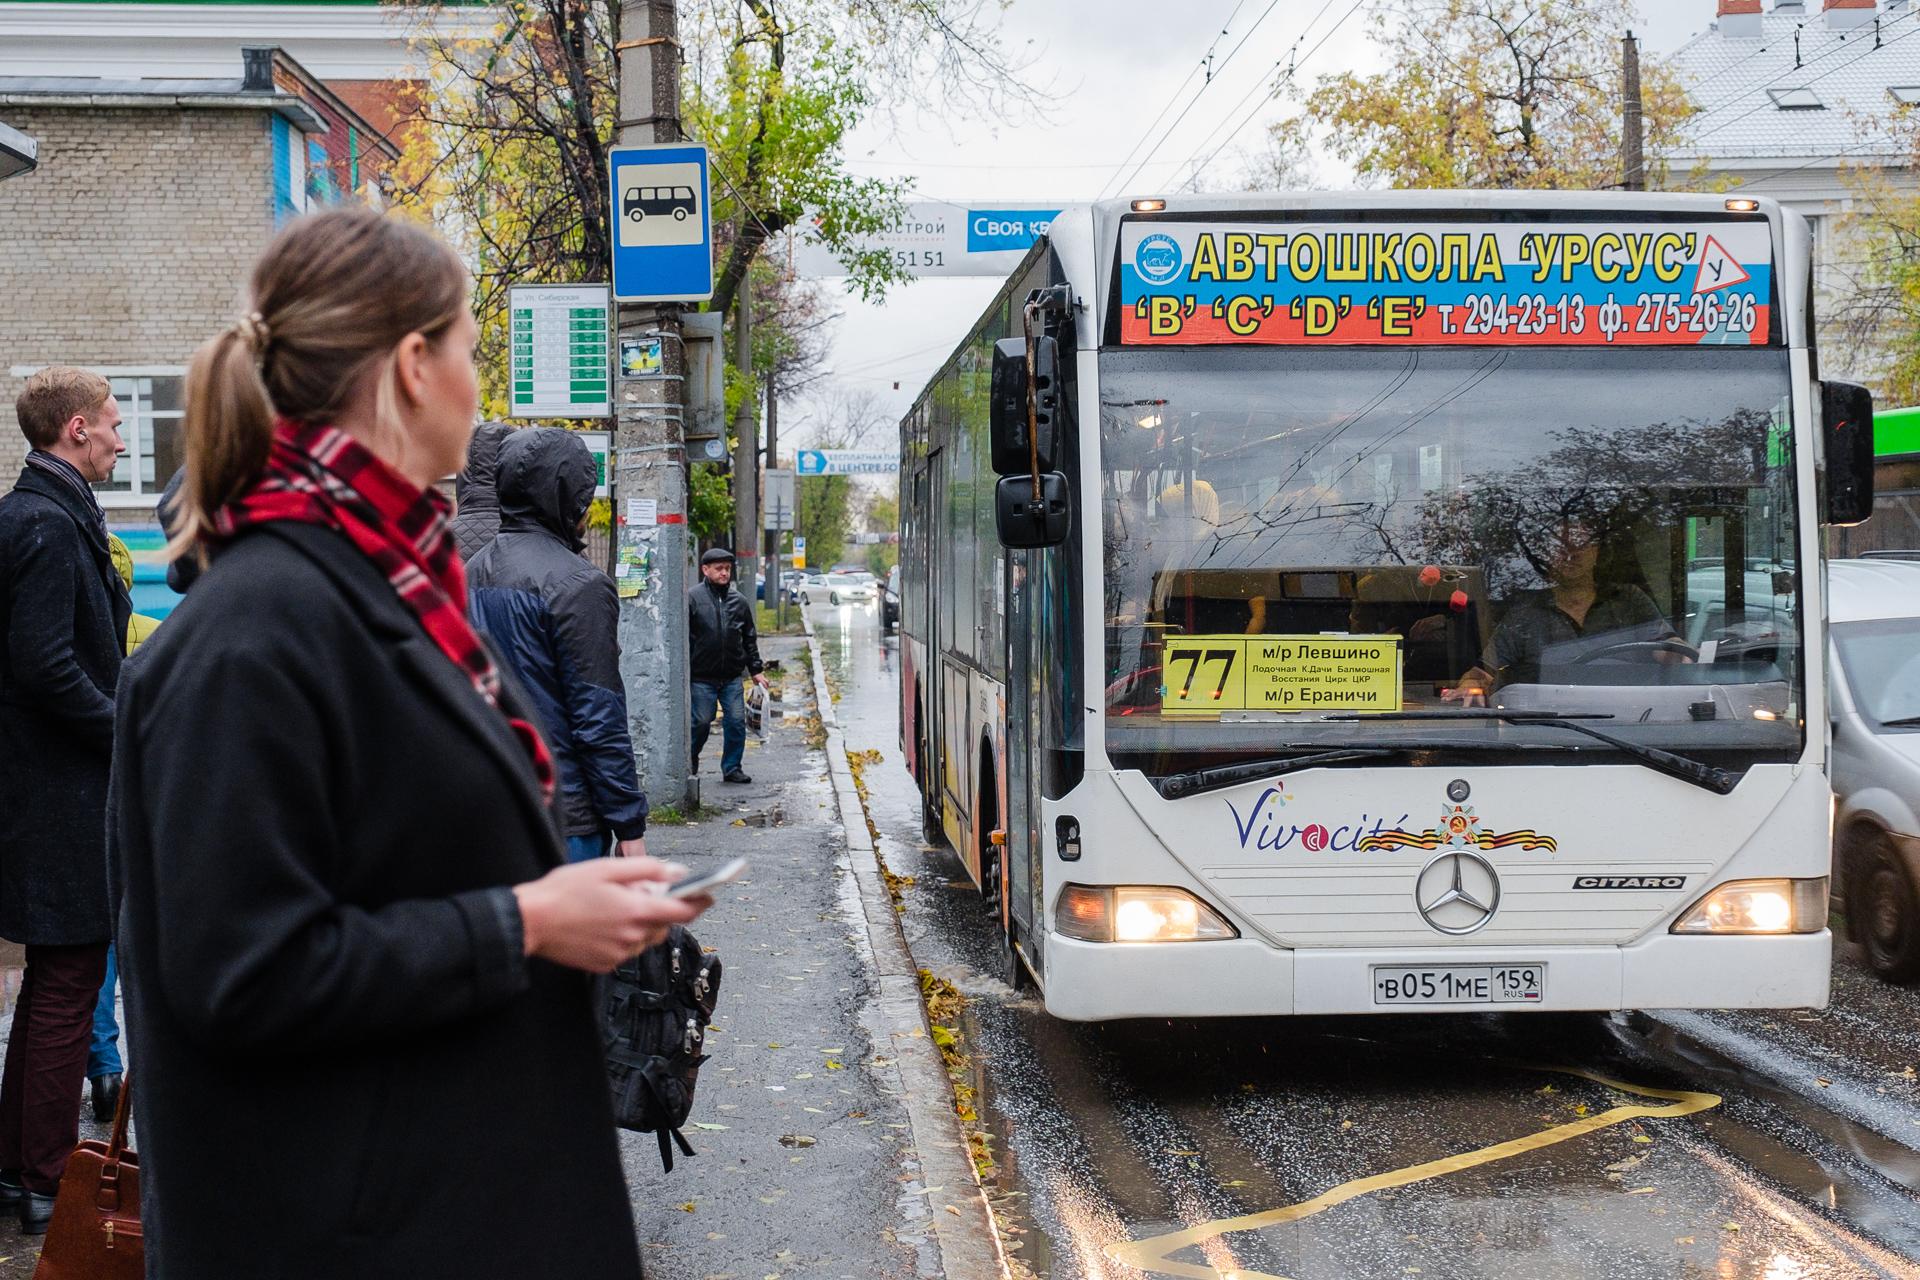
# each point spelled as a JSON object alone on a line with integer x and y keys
{"x": 1459, "y": 828}
{"x": 1455, "y": 283}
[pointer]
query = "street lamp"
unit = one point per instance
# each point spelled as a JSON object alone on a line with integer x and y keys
{"x": 18, "y": 153}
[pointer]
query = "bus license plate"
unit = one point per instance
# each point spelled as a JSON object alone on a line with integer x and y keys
{"x": 1459, "y": 984}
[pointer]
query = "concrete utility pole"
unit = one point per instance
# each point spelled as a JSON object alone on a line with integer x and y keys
{"x": 746, "y": 449}
{"x": 1633, "y": 126}
{"x": 650, "y": 445}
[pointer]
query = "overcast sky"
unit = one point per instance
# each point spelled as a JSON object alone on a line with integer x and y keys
{"x": 1114, "y": 64}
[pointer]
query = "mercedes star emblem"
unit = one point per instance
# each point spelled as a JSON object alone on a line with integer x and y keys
{"x": 1457, "y": 892}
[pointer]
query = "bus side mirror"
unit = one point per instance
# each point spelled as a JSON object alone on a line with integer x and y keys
{"x": 1012, "y": 452}
{"x": 1846, "y": 412}
{"x": 1023, "y": 520}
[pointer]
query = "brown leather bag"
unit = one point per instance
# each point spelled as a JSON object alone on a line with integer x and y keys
{"x": 95, "y": 1232}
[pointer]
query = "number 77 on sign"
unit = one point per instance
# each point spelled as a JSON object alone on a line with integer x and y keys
{"x": 1203, "y": 675}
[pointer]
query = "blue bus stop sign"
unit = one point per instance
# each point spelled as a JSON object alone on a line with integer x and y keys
{"x": 663, "y": 224}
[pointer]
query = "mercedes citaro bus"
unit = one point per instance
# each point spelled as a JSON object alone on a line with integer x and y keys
{"x": 1365, "y": 602}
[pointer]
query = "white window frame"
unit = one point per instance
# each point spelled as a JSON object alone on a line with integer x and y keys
{"x": 133, "y": 426}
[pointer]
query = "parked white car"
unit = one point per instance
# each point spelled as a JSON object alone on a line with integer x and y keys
{"x": 835, "y": 588}
{"x": 1874, "y": 656}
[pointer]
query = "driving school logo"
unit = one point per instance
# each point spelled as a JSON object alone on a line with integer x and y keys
{"x": 1459, "y": 828}
{"x": 1157, "y": 258}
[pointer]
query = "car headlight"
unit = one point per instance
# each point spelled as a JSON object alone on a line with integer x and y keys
{"x": 1759, "y": 906}
{"x": 1136, "y": 913}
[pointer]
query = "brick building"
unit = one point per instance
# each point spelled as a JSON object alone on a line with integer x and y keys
{"x": 151, "y": 198}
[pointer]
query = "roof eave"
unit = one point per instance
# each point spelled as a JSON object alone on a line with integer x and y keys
{"x": 296, "y": 112}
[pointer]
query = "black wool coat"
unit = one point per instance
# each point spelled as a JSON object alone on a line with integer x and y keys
{"x": 63, "y": 623}
{"x": 345, "y": 1064}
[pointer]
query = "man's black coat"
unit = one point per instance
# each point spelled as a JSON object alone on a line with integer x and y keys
{"x": 722, "y": 641}
{"x": 346, "y": 1065}
{"x": 63, "y": 626}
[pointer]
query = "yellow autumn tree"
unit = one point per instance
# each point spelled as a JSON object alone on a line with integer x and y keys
{"x": 1494, "y": 94}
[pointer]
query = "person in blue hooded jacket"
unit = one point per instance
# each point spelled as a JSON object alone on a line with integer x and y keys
{"x": 553, "y": 618}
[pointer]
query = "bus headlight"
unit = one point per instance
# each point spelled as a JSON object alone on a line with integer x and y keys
{"x": 1759, "y": 906}
{"x": 1136, "y": 913}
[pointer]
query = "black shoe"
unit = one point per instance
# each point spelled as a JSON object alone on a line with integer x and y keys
{"x": 10, "y": 1188}
{"x": 36, "y": 1211}
{"x": 106, "y": 1096}
{"x": 736, "y": 775}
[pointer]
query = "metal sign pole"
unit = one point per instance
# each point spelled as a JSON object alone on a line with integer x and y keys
{"x": 650, "y": 519}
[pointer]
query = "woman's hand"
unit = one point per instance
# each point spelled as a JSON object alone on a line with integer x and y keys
{"x": 593, "y": 915}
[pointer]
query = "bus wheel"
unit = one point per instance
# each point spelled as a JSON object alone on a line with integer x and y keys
{"x": 1881, "y": 910}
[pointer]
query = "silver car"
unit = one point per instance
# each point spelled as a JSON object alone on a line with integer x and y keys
{"x": 1874, "y": 606}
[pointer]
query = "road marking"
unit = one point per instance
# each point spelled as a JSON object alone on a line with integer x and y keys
{"x": 1155, "y": 1254}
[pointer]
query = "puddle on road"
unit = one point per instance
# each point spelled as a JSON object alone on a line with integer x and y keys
{"x": 1884, "y": 1209}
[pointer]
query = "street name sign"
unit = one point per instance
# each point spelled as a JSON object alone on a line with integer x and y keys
{"x": 776, "y": 507}
{"x": 663, "y": 224}
{"x": 847, "y": 462}
{"x": 559, "y": 351}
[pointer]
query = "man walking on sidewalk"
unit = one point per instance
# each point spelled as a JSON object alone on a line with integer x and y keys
{"x": 554, "y": 619}
{"x": 722, "y": 644}
{"x": 63, "y": 621}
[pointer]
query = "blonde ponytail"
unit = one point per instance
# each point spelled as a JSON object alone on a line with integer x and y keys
{"x": 332, "y": 297}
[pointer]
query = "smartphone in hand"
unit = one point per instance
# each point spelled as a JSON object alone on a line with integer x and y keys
{"x": 706, "y": 881}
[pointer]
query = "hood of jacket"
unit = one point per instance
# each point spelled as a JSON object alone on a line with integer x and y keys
{"x": 474, "y": 486}
{"x": 546, "y": 478}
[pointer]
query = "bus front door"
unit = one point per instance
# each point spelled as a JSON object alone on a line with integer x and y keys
{"x": 1023, "y": 748}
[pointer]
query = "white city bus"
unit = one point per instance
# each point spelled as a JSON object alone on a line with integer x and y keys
{"x": 1367, "y": 602}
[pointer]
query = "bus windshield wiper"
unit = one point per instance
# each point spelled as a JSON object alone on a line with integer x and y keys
{"x": 1698, "y": 772}
{"x": 1176, "y": 785}
{"x": 1904, "y": 722}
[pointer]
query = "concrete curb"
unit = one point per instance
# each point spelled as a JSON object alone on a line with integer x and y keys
{"x": 969, "y": 1244}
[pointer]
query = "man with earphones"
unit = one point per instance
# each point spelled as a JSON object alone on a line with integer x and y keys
{"x": 63, "y": 623}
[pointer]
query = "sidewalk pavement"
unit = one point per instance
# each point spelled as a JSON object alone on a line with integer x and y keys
{"x": 823, "y": 1122}
{"x": 831, "y": 1148}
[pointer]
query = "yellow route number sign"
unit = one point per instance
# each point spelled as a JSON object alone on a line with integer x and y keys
{"x": 1204, "y": 675}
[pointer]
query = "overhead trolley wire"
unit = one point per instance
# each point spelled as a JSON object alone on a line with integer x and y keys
{"x": 1200, "y": 93}
{"x": 1206, "y": 62}
{"x": 1292, "y": 68}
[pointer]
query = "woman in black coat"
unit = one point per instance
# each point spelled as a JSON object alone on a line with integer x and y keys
{"x": 363, "y": 1038}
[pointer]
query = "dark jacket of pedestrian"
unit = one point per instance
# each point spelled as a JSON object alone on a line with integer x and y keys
{"x": 63, "y": 622}
{"x": 555, "y": 620}
{"x": 476, "y": 509}
{"x": 722, "y": 641}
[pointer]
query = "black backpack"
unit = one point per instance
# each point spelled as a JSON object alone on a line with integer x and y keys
{"x": 657, "y": 1007}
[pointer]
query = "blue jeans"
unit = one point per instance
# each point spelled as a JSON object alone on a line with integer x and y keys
{"x": 103, "y": 1055}
{"x": 733, "y": 721}
{"x": 586, "y": 848}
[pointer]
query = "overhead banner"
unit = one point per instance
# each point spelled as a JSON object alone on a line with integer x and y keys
{"x": 1452, "y": 284}
{"x": 934, "y": 238}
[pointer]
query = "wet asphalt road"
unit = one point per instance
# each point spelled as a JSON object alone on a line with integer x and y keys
{"x": 1778, "y": 1146}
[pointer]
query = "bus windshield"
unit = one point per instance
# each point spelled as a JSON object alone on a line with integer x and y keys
{"x": 1294, "y": 538}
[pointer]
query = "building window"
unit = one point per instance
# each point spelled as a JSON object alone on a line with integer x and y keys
{"x": 1907, "y": 95}
{"x": 1796, "y": 100}
{"x": 151, "y": 409}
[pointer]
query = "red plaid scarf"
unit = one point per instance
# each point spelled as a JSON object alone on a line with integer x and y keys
{"x": 320, "y": 475}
